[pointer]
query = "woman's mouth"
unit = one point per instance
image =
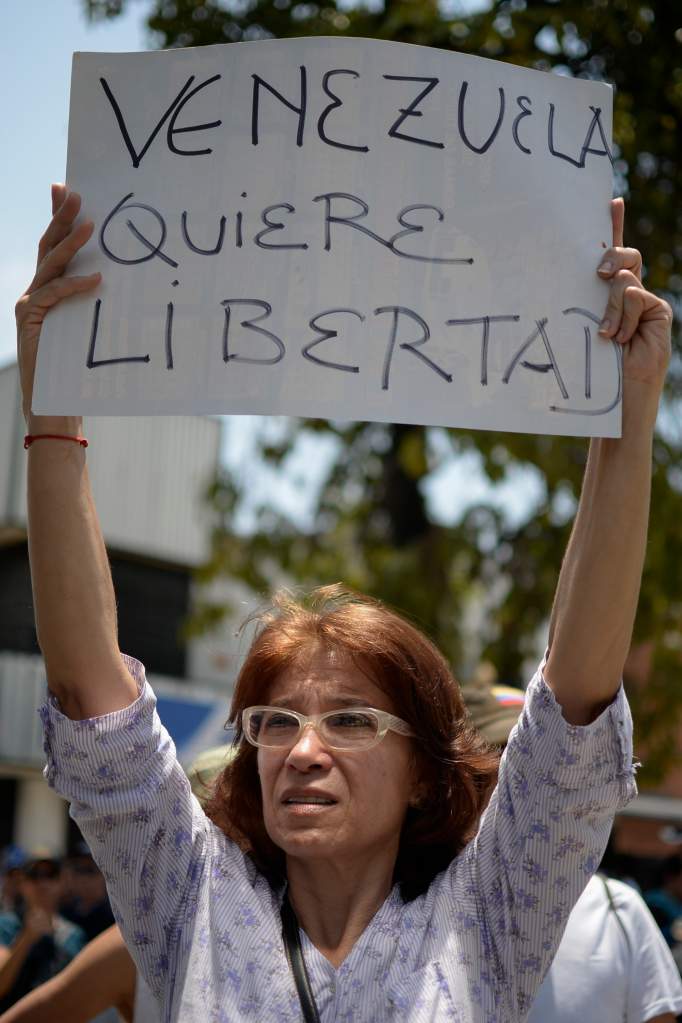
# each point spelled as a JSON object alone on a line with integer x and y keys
{"x": 308, "y": 803}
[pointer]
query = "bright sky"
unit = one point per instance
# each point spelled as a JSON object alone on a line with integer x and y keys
{"x": 35, "y": 57}
{"x": 37, "y": 42}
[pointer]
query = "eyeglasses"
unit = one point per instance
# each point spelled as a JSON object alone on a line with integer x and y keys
{"x": 356, "y": 728}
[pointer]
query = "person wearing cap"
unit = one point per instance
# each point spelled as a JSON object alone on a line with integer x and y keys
{"x": 612, "y": 965}
{"x": 102, "y": 978}
{"x": 206, "y": 768}
{"x": 493, "y": 708}
{"x": 11, "y": 869}
{"x": 97, "y": 986}
{"x": 39, "y": 942}
{"x": 85, "y": 902}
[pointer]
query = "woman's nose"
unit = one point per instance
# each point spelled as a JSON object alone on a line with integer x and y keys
{"x": 309, "y": 750}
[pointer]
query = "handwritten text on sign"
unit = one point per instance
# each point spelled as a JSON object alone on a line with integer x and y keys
{"x": 342, "y": 228}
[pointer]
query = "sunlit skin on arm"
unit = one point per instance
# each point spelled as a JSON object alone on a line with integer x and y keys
{"x": 101, "y": 976}
{"x": 72, "y": 590}
{"x": 596, "y": 599}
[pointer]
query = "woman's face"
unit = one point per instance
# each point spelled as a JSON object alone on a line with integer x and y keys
{"x": 370, "y": 789}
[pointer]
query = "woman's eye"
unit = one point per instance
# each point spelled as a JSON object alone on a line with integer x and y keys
{"x": 280, "y": 721}
{"x": 351, "y": 720}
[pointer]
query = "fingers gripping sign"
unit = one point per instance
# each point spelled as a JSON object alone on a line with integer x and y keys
{"x": 58, "y": 226}
{"x": 634, "y": 317}
{"x": 61, "y": 241}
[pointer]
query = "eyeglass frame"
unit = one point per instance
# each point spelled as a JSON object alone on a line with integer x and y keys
{"x": 386, "y": 722}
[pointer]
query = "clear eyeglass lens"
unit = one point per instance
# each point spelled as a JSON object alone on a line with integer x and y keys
{"x": 273, "y": 728}
{"x": 346, "y": 729}
{"x": 350, "y": 729}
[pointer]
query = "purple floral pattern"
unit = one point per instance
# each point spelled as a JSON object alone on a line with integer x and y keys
{"x": 203, "y": 926}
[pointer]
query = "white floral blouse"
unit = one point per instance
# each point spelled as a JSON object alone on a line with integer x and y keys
{"x": 203, "y": 925}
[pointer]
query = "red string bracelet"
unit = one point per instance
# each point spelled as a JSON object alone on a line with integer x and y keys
{"x": 30, "y": 438}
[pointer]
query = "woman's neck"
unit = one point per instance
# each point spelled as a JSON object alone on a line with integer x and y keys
{"x": 334, "y": 904}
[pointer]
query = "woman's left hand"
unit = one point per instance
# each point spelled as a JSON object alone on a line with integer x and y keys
{"x": 607, "y": 547}
{"x": 634, "y": 317}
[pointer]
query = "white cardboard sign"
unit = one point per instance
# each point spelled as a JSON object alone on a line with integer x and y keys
{"x": 338, "y": 228}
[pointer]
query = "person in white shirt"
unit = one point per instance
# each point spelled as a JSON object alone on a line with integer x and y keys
{"x": 613, "y": 964}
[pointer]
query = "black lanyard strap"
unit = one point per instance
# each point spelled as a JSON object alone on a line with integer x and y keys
{"x": 614, "y": 910}
{"x": 292, "y": 945}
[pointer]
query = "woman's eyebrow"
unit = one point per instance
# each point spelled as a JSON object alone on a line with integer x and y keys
{"x": 352, "y": 701}
{"x": 346, "y": 700}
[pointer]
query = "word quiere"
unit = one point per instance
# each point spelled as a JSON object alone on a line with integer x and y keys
{"x": 477, "y": 138}
{"x": 266, "y": 349}
{"x": 340, "y": 209}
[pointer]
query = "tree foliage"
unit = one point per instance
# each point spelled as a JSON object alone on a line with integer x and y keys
{"x": 372, "y": 525}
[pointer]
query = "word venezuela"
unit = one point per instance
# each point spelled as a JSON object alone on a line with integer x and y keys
{"x": 416, "y": 96}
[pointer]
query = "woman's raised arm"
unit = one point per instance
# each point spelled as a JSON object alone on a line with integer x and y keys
{"x": 73, "y": 596}
{"x": 596, "y": 600}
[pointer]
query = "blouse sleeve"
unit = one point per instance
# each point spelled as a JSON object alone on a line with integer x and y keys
{"x": 541, "y": 838}
{"x": 146, "y": 830}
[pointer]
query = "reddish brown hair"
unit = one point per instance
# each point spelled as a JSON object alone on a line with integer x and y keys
{"x": 455, "y": 766}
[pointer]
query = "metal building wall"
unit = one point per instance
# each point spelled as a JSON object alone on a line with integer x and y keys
{"x": 148, "y": 474}
{"x": 194, "y": 715}
{"x": 11, "y": 452}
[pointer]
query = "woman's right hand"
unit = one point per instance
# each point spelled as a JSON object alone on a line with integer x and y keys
{"x": 73, "y": 596}
{"x": 61, "y": 241}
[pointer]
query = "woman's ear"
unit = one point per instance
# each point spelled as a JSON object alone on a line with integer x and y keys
{"x": 418, "y": 795}
{"x": 419, "y": 789}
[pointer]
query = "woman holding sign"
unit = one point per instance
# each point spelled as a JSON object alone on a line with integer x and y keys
{"x": 342, "y": 872}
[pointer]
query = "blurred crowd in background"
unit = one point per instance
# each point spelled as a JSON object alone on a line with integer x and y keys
{"x": 51, "y": 907}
